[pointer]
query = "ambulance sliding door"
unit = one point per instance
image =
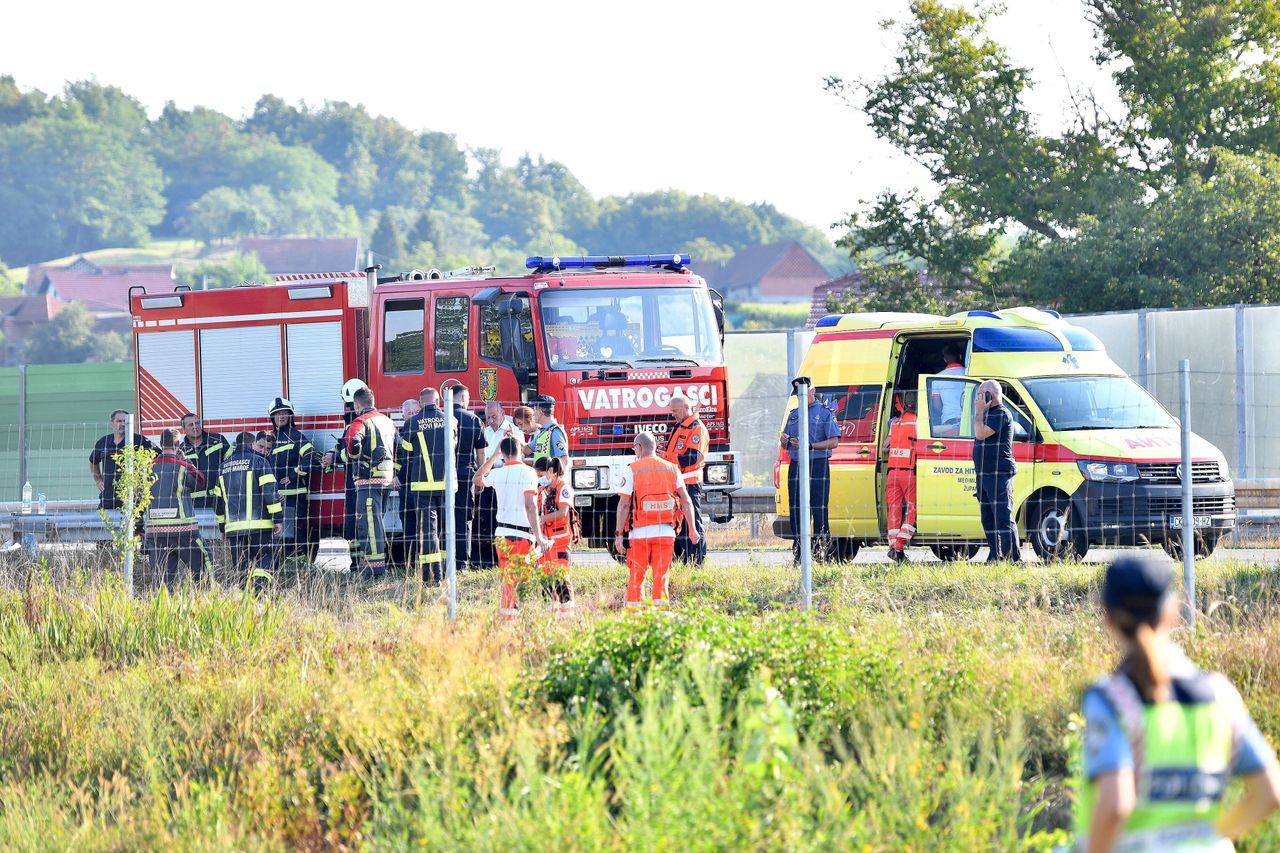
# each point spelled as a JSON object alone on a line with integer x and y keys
{"x": 852, "y": 505}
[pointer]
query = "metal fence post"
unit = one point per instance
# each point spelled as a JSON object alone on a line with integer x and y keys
{"x": 126, "y": 520}
{"x": 1142, "y": 348}
{"x": 22, "y": 427}
{"x": 1242, "y": 408}
{"x": 450, "y": 499}
{"x": 791, "y": 352}
{"x": 805, "y": 540}
{"x": 1188, "y": 508}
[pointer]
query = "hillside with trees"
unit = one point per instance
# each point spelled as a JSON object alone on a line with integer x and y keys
{"x": 1172, "y": 201}
{"x": 88, "y": 168}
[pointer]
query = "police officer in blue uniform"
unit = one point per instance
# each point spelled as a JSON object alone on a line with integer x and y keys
{"x": 824, "y": 435}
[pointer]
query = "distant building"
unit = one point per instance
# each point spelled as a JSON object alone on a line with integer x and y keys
{"x": 19, "y": 317}
{"x": 773, "y": 272}
{"x": 845, "y": 285}
{"x": 100, "y": 287}
{"x": 292, "y": 255}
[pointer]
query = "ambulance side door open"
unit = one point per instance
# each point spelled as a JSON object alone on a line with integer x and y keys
{"x": 945, "y": 483}
{"x": 853, "y": 462}
{"x": 946, "y": 486}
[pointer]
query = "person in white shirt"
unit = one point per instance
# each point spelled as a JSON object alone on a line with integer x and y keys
{"x": 950, "y": 394}
{"x": 517, "y": 532}
{"x": 497, "y": 426}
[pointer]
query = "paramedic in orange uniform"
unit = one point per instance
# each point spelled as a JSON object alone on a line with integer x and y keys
{"x": 555, "y": 505}
{"x": 900, "y": 486}
{"x": 649, "y": 503}
{"x": 687, "y": 450}
{"x": 515, "y": 487}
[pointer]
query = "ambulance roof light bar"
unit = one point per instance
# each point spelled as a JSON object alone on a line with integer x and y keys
{"x": 672, "y": 262}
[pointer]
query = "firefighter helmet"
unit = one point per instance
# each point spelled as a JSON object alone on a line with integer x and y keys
{"x": 279, "y": 404}
{"x": 350, "y": 388}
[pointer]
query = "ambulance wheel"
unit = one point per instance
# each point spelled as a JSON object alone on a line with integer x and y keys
{"x": 1205, "y": 545}
{"x": 843, "y": 549}
{"x": 953, "y": 551}
{"x": 1052, "y": 534}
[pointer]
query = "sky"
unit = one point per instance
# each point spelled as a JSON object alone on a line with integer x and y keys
{"x": 717, "y": 97}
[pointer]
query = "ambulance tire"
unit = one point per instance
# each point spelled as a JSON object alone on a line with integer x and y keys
{"x": 1205, "y": 545}
{"x": 843, "y": 549}
{"x": 1051, "y": 532}
{"x": 953, "y": 551}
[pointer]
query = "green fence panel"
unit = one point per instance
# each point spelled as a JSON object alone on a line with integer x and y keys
{"x": 68, "y": 409}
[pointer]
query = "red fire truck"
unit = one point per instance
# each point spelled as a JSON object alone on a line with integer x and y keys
{"x": 611, "y": 338}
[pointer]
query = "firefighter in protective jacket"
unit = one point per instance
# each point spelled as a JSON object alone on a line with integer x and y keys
{"x": 172, "y": 533}
{"x": 206, "y": 451}
{"x": 249, "y": 509}
{"x": 900, "y": 484}
{"x": 370, "y": 445}
{"x": 293, "y": 461}
{"x": 421, "y": 465}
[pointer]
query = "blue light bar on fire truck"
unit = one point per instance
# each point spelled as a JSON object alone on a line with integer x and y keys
{"x": 601, "y": 261}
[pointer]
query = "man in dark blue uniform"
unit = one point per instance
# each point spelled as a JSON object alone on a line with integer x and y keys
{"x": 470, "y": 455}
{"x": 994, "y": 466}
{"x": 824, "y": 435}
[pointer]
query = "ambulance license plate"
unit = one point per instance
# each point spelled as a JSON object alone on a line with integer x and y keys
{"x": 1198, "y": 521}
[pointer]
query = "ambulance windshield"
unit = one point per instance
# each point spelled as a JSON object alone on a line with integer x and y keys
{"x": 1097, "y": 402}
{"x": 629, "y": 327}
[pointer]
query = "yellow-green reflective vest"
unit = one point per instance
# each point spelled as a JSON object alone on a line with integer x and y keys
{"x": 1182, "y": 753}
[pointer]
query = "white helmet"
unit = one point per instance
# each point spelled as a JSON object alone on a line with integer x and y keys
{"x": 349, "y": 389}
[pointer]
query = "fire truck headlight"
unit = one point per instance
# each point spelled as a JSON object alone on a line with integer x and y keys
{"x": 586, "y": 478}
{"x": 718, "y": 473}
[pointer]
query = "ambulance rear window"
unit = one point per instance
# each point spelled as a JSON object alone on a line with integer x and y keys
{"x": 1014, "y": 339}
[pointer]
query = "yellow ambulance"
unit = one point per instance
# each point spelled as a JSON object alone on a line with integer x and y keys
{"x": 1098, "y": 458}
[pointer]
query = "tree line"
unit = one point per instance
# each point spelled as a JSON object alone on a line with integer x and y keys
{"x": 1174, "y": 201}
{"x": 88, "y": 168}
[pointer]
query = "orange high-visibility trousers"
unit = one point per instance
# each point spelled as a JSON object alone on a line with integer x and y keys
{"x": 900, "y": 489}
{"x": 645, "y": 554}
{"x": 508, "y": 606}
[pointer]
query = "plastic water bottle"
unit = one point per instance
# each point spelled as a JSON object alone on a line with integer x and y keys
{"x": 42, "y": 504}
{"x": 26, "y": 498}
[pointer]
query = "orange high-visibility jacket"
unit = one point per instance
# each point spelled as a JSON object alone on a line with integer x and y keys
{"x": 654, "y": 485}
{"x": 552, "y": 497}
{"x": 902, "y": 441}
{"x": 687, "y": 449}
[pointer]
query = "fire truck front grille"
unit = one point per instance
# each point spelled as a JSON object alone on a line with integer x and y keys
{"x": 618, "y": 431}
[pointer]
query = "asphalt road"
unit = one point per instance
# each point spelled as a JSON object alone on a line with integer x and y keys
{"x": 877, "y": 554}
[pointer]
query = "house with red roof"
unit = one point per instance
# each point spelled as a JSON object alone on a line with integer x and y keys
{"x": 100, "y": 287}
{"x": 19, "y": 317}
{"x": 772, "y": 272}
{"x": 840, "y": 288}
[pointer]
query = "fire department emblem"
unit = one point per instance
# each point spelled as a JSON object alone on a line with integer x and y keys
{"x": 488, "y": 384}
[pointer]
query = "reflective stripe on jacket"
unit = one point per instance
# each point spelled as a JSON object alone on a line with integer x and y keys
{"x": 422, "y": 459}
{"x": 687, "y": 449}
{"x": 293, "y": 457}
{"x": 902, "y": 441}
{"x": 173, "y": 480}
{"x": 207, "y": 458}
{"x": 370, "y": 444}
{"x": 655, "y": 484}
{"x": 246, "y": 492}
{"x": 552, "y": 497}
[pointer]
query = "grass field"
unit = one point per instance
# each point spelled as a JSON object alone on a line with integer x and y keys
{"x": 927, "y": 707}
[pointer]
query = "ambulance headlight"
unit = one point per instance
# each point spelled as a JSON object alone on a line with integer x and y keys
{"x": 591, "y": 478}
{"x": 718, "y": 473}
{"x": 1109, "y": 472}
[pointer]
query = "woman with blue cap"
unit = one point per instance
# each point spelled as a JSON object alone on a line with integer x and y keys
{"x": 1162, "y": 737}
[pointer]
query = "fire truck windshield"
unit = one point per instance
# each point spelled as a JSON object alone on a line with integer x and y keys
{"x": 627, "y": 326}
